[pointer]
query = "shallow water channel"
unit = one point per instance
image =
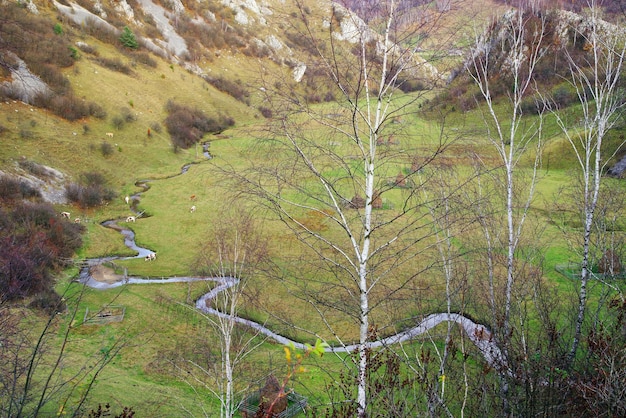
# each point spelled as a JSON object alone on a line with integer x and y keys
{"x": 477, "y": 333}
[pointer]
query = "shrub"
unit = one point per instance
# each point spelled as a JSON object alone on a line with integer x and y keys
{"x": 86, "y": 48}
{"x": 34, "y": 243}
{"x": 266, "y": 112}
{"x": 143, "y": 58}
{"x": 26, "y": 134}
{"x": 127, "y": 115}
{"x": 118, "y": 122}
{"x": 127, "y": 38}
{"x": 96, "y": 110}
{"x": 68, "y": 106}
{"x": 15, "y": 189}
{"x": 54, "y": 78}
{"x": 114, "y": 64}
{"x": 48, "y": 301}
{"x": 106, "y": 149}
{"x": 74, "y": 52}
{"x": 233, "y": 88}
{"x": 33, "y": 168}
{"x": 187, "y": 126}
{"x": 562, "y": 97}
{"x": 156, "y": 127}
{"x": 91, "y": 192}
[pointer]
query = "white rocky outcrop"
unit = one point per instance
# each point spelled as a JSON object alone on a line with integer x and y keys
{"x": 274, "y": 43}
{"x": 82, "y": 16}
{"x": 30, "y": 6}
{"x": 122, "y": 7}
{"x": 258, "y": 10}
{"x": 177, "y": 6}
{"x": 24, "y": 85}
{"x": 298, "y": 72}
{"x": 50, "y": 182}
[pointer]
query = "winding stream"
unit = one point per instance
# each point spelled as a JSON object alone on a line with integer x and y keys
{"x": 477, "y": 333}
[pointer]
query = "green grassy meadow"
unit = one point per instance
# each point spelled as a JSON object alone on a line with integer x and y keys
{"x": 157, "y": 328}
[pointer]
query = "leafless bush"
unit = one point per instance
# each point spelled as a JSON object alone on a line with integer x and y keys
{"x": 156, "y": 127}
{"x": 100, "y": 32}
{"x": 69, "y": 107}
{"x": 14, "y": 189}
{"x": 143, "y": 58}
{"x": 266, "y": 112}
{"x": 114, "y": 64}
{"x": 186, "y": 126}
{"x": 86, "y": 48}
{"x": 91, "y": 192}
{"x": 106, "y": 149}
{"x": 233, "y": 88}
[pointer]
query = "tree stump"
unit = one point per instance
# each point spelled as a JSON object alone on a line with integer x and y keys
{"x": 272, "y": 401}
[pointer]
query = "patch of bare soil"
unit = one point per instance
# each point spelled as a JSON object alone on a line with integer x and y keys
{"x": 105, "y": 274}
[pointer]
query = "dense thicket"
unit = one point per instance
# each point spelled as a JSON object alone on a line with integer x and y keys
{"x": 91, "y": 191}
{"x": 187, "y": 126}
{"x": 34, "y": 242}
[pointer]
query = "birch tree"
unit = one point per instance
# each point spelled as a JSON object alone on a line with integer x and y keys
{"x": 595, "y": 76}
{"x": 339, "y": 164}
{"x": 233, "y": 253}
{"x": 513, "y": 55}
{"x": 508, "y": 53}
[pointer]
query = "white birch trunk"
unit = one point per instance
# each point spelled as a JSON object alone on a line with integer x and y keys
{"x": 512, "y": 145}
{"x": 601, "y": 105}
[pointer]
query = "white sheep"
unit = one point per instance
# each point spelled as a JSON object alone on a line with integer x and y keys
{"x": 131, "y": 219}
{"x": 109, "y": 134}
{"x": 77, "y": 220}
{"x": 127, "y": 199}
{"x": 65, "y": 215}
{"x": 192, "y": 209}
{"x": 150, "y": 257}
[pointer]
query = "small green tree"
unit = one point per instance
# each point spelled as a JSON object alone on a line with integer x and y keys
{"x": 127, "y": 38}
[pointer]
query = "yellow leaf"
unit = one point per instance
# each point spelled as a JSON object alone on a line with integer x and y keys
{"x": 287, "y": 354}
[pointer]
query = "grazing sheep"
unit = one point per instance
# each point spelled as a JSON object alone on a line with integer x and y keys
{"x": 131, "y": 219}
{"x": 77, "y": 220}
{"x": 150, "y": 257}
{"x": 192, "y": 209}
{"x": 127, "y": 199}
{"x": 109, "y": 134}
{"x": 65, "y": 215}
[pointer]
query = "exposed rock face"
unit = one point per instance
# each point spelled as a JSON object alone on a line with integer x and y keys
{"x": 240, "y": 7}
{"x": 353, "y": 29}
{"x": 177, "y": 6}
{"x": 124, "y": 8}
{"x": 31, "y": 7}
{"x": 565, "y": 27}
{"x": 618, "y": 169}
{"x": 49, "y": 182}
{"x": 24, "y": 85}
{"x": 298, "y": 72}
